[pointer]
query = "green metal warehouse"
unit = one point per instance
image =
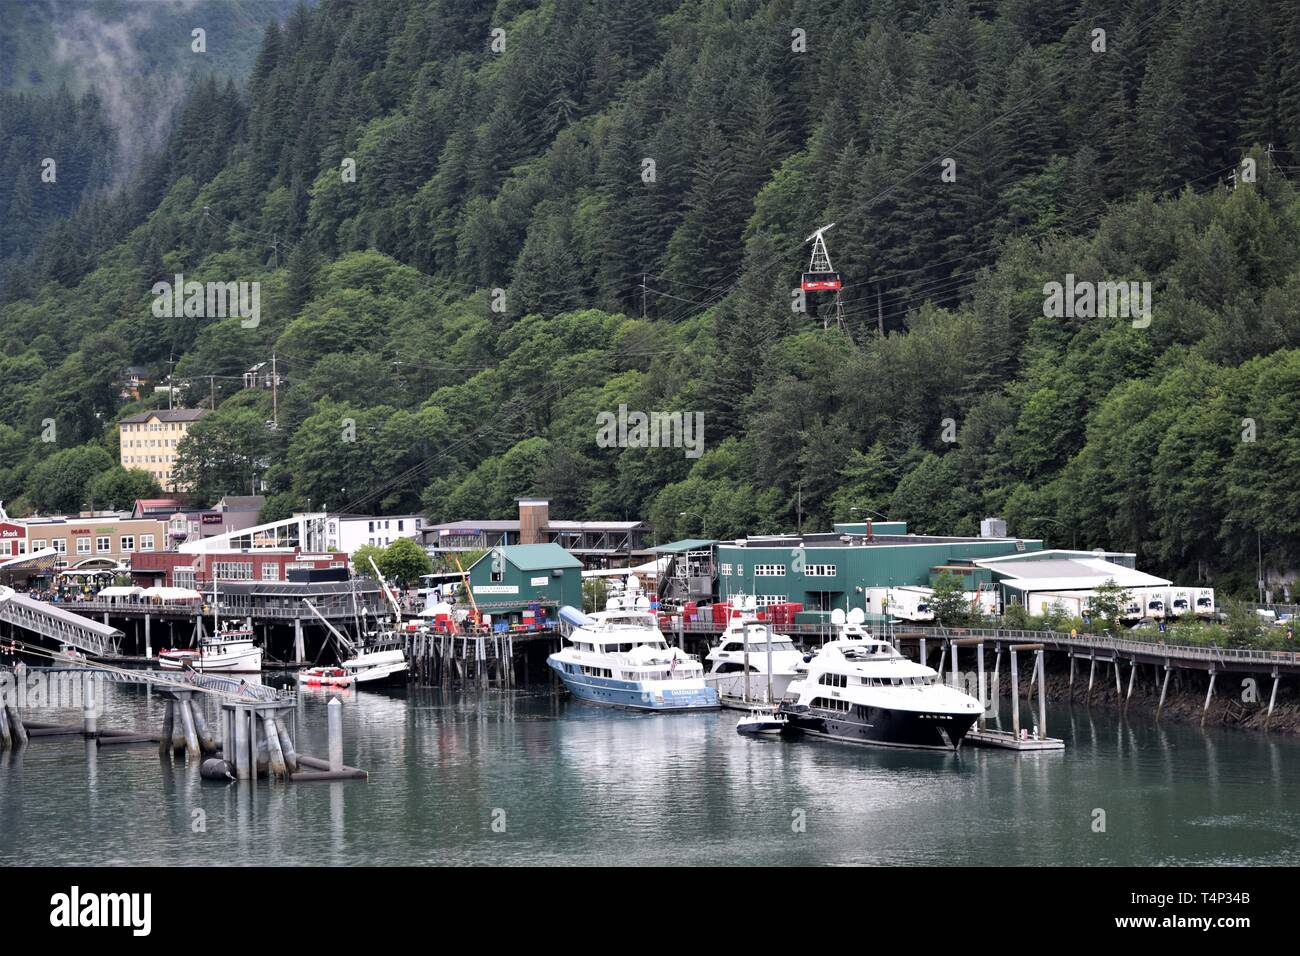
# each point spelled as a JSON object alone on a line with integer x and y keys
{"x": 511, "y": 579}
{"x": 838, "y": 570}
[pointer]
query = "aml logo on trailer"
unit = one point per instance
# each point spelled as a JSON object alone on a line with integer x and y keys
{"x": 73, "y": 910}
{"x": 208, "y": 300}
{"x": 1098, "y": 300}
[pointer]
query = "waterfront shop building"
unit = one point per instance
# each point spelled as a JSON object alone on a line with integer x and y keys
{"x": 268, "y": 553}
{"x": 597, "y": 544}
{"x": 148, "y": 440}
{"x": 94, "y": 541}
{"x": 526, "y": 581}
{"x": 855, "y": 566}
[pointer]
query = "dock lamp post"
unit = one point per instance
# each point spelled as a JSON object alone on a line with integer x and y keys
{"x": 703, "y": 521}
{"x": 1074, "y": 538}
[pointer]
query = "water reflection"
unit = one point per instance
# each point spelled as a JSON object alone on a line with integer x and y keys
{"x": 532, "y": 777}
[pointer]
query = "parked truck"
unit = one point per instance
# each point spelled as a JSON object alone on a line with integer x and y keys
{"x": 1205, "y": 606}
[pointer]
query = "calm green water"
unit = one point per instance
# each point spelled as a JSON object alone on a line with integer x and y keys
{"x": 578, "y": 784}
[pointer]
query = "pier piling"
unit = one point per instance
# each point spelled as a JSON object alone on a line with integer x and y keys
{"x": 1164, "y": 689}
{"x": 90, "y": 721}
{"x": 16, "y": 729}
{"x": 169, "y": 721}
{"x": 1209, "y": 694}
{"x": 335, "y": 710}
{"x": 6, "y": 738}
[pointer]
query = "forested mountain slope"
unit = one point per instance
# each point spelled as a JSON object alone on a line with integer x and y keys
{"x": 526, "y": 171}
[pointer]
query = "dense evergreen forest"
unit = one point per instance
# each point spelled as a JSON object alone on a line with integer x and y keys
{"x": 639, "y": 179}
{"x": 91, "y": 84}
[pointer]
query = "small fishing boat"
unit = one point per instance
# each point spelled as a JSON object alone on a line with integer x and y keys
{"x": 326, "y": 677}
{"x": 231, "y": 650}
{"x": 759, "y": 722}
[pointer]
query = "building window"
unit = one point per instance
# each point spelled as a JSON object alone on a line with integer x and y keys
{"x": 763, "y": 600}
{"x": 146, "y": 542}
{"x": 183, "y": 577}
{"x": 61, "y": 545}
{"x": 83, "y": 546}
{"x": 103, "y": 544}
{"x": 769, "y": 570}
{"x": 128, "y": 542}
{"x": 270, "y": 571}
{"x": 233, "y": 570}
{"x": 38, "y": 544}
{"x": 725, "y": 570}
{"x": 821, "y": 570}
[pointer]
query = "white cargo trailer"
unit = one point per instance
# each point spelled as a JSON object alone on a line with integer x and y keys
{"x": 906, "y": 602}
{"x": 1205, "y": 606}
{"x": 1044, "y": 603}
{"x": 1180, "y": 601}
{"x": 1152, "y": 600}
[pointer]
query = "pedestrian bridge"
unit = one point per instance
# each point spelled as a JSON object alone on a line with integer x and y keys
{"x": 55, "y": 624}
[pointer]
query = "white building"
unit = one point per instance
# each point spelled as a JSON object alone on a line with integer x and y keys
{"x": 349, "y": 532}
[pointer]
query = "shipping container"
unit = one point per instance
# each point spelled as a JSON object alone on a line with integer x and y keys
{"x": 1205, "y": 606}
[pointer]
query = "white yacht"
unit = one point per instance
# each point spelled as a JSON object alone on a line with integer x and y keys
{"x": 619, "y": 657}
{"x": 861, "y": 690}
{"x": 228, "y": 651}
{"x": 742, "y": 652}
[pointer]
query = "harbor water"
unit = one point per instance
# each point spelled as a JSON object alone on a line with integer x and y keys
{"x": 534, "y": 777}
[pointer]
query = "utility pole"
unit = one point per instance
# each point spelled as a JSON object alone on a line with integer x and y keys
{"x": 880, "y": 312}
{"x": 275, "y": 395}
{"x": 643, "y": 291}
{"x": 212, "y": 392}
{"x": 171, "y": 384}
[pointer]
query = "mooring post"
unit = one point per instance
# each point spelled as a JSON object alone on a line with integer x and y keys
{"x": 254, "y": 763}
{"x": 997, "y": 681}
{"x": 953, "y": 676}
{"x": 299, "y": 651}
{"x": 979, "y": 678}
{"x": 1209, "y": 693}
{"x": 6, "y": 738}
{"x": 90, "y": 722}
{"x": 1132, "y": 678}
{"x": 16, "y": 729}
{"x": 191, "y": 732}
{"x": 1015, "y": 697}
{"x": 206, "y": 740}
{"x": 274, "y": 752}
{"x": 1071, "y": 683}
{"x": 335, "y": 711}
{"x": 227, "y": 736}
{"x": 241, "y": 742}
{"x": 148, "y": 646}
{"x": 943, "y": 656}
{"x": 1272, "y": 699}
{"x": 169, "y": 721}
{"x": 1164, "y": 689}
{"x": 286, "y": 743}
{"x": 922, "y": 661}
{"x": 1042, "y": 696}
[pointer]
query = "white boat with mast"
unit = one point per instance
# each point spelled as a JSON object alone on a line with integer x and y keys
{"x": 750, "y": 659}
{"x": 228, "y": 650}
{"x": 377, "y": 659}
